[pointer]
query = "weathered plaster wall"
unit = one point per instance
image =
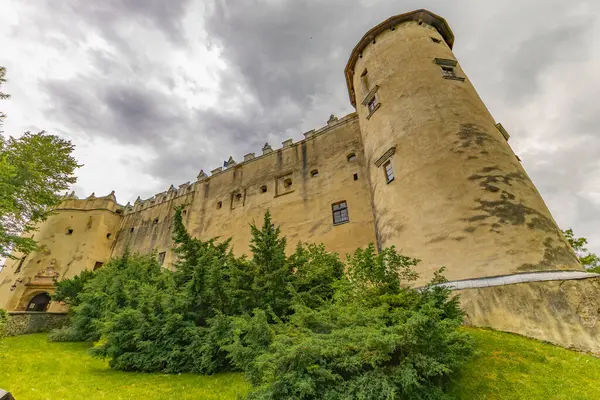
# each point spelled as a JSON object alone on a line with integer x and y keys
{"x": 566, "y": 313}
{"x": 460, "y": 197}
{"x": 21, "y": 323}
{"x": 303, "y": 211}
{"x": 62, "y": 255}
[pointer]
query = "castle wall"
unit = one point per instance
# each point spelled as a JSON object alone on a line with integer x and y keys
{"x": 304, "y": 210}
{"x": 460, "y": 197}
{"x": 72, "y": 239}
{"x": 563, "y": 312}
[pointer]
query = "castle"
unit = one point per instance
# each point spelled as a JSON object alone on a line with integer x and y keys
{"x": 421, "y": 165}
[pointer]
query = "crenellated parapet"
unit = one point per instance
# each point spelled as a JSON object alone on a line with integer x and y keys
{"x": 184, "y": 189}
{"x": 109, "y": 202}
{"x": 170, "y": 194}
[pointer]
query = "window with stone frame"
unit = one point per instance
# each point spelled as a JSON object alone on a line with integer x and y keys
{"x": 372, "y": 104}
{"x": 389, "y": 171}
{"x": 340, "y": 213}
{"x": 448, "y": 71}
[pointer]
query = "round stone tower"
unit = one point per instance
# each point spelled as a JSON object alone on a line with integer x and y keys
{"x": 446, "y": 186}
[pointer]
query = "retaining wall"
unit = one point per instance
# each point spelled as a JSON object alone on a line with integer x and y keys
{"x": 22, "y": 322}
{"x": 563, "y": 312}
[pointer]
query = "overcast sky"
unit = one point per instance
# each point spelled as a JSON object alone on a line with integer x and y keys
{"x": 151, "y": 91}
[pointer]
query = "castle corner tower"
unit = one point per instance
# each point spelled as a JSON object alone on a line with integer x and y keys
{"x": 446, "y": 187}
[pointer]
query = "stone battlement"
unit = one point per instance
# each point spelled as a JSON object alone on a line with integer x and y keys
{"x": 72, "y": 202}
{"x": 267, "y": 151}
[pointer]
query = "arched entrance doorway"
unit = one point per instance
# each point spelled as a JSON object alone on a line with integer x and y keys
{"x": 39, "y": 302}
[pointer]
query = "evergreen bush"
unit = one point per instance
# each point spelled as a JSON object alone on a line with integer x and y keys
{"x": 303, "y": 326}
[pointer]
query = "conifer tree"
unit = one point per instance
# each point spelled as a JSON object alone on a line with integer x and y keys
{"x": 271, "y": 271}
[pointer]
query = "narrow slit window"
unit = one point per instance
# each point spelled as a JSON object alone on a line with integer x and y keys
{"x": 161, "y": 258}
{"x": 20, "y": 265}
{"x": 131, "y": 230}
{"x": 219, "y": 205}
{"x": 287, "y": 183}
{"x": 340, "y": 213}
{"x": 389, "y": 172}
{"x": 355, "y": 177}
{"x": 435, "y": 40}
{"x": 98, "y": 265}
{"x": 364, "y": 80}
{"x": 238, "y": 196}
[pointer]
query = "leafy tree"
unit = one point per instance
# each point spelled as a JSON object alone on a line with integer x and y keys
{"x": 589, "y": 260}
{"x": 34, "y": 168}
{"x": 3, "y": 96}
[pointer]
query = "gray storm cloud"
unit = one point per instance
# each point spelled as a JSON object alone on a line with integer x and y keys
{"x": 283, "y": 75}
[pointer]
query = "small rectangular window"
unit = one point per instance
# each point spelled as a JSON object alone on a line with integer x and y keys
{"x": 448, "y": 71}
{"x": 372, "y": 104}
{"x": 161, "y": 257}
{"x": 340, "y": 213}
{"x": 389, "y": 172}
{"x": 98, "y": 265}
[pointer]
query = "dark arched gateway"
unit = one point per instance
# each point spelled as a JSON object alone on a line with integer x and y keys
{"x": 39, "y": 302}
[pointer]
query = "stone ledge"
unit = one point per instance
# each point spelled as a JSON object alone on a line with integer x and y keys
{"x": 518, "y": 278}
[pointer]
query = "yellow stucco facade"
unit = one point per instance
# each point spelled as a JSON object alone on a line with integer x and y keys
{"x": 421, "y": 165}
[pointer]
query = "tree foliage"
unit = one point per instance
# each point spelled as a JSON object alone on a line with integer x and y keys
{"x": 302, "y": 326}
{"x": 589, "y": 260}
{"x": 3, "y": 321}
{"x": 68, "y": 290}
{"x": 3, "y": 96}
{"x": 34, "y": 169}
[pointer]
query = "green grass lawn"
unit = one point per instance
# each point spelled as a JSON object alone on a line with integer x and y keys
{"x": 34, "y": 369}
{"x": 510, "y": 367}
{"x": 505, "y": 367}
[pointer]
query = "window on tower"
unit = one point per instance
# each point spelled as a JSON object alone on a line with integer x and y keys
{"x": 372, "y": 104}
{"x": 448, "y": 68}
{"x": 389, "y": 172}
{"x": 448, "y": 72}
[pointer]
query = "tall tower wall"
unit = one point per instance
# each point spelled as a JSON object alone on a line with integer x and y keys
{"x": 77, "y": 236}
{"x": 459, "y": 198}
